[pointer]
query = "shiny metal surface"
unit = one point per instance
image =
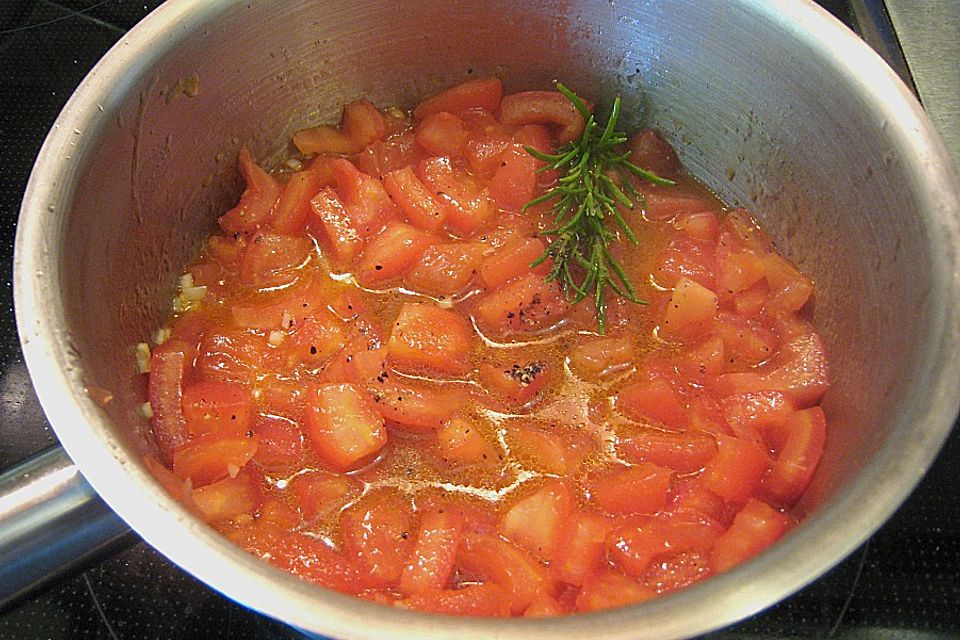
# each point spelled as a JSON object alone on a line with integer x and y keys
{"x": 772, "y": 103}
{"x": 50, "y": 521}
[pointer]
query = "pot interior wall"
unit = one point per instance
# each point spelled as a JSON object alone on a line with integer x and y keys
{"x": 770, "y": 130}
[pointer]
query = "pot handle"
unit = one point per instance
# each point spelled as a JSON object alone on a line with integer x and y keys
{"x": 51, "y": 521}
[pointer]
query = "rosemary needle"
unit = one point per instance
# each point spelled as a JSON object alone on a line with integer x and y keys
{"x": 583, "y": 198}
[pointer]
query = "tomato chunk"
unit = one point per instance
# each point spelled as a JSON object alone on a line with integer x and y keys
{"x": 543, "y": 107}
{"x": 517, "y": 383}
{"x": 336, "y": 226}
{"x": 803, "y": 436}
{"x": 363, "y": 122}
{"x": 485, "y": 600}
{"x": 483, "y": 93}
{"x": 581, "y": 553}
{"x": 257, "y": 200}
{"x": 515, "y": 181}
{"x": 414, "y": 199}
{"x": 216, "y": 407}
{"x": 389, "y": 255}
{"x": 211, "y": 458}
{"x": 654, "y": 400}
{"x": 735, "y": 472}
{"x": 435, "y": 552}
{"x": 609, "y": 589}
{"x": 465, "y": 201}
{"x": 537, "y": 521}
{"x": 512, "y": 260}
{"x": 492, "y": 558}
{"x": 342, "y": 426}
{"x": 377, "y": 532}
{"x": 169, "y": 364}
{"x": 526, "y": 304}
{"x": 445, "y": 269}
{"x": 755, "y": 527}
{"x": 682, "y": 452}
{"x": 442, "y": 134}
{"x": 690, "y": 311}
{"x": 428, "y": 338}
{"x": 419, "y": 407}
{"x": 641, "y": 488}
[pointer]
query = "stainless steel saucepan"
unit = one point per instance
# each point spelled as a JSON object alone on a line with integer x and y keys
{"x": 772, "y": 103}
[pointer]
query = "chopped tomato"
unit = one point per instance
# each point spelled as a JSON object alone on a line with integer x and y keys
{"x": 735, "y": 472}
{"x": 609, "y": 589}
{"x": 513, "y": 260}
{"x": 526, "y": 304}
{"x": 435, "y": 552}
{"x": 364, "y": 198}
{"x": 690, "y": 311}
{"x": 428, "y": 338}
{"x": 702, "y": 226}
{"x": 487, "y": 139}
{"x": 752, "y": 414}
{"x": 445, "y": 269}
{"x": 221, "y": 408}
{"x": 363, "y": 122}
{"x": 799, "y": 370}
{"x": 314, "y": 339}
{"x": 514, "y": 183}
{"x": 648, "y": 150}
{"x": 414, "y": 199}
{"x": 226, "y": 499}
{"x": 169, "y": 365}
{"x": 442, "y": 134}
{"x": 482, "y": 93}
{"x": 377, "y": 531}
{"x": 257, "y": 200}
{"x": 594, "y": 358}
{"x": 486, "y": 600}
{"x": 542, "y": 450}
{"x": 293, "y": 208}
{"x": 682, "y": 452}
{"x": 580, "y": 554}
{"x": 755, "y": 528}
{"x": 745, "y": 342}
{"x": 281, "y": 442}
{"x": 800, "y": 446}
{"x": 390, "y": 254}
{"x": 654, "y": 400}
{"x": 666, "y": 203}
{"x": 319, "y": 492}
{"x": 543, "y": 107}
{"x": 465, "y": 201}
{"x": 336, "y": 226}
{"x": 640, "y": 488}
{"x": 492, "y": 558}
{"x": 275, "y": 511}
{"x": 685, "y": 256}
{"x": 342, "y": 426}
{"x": 543, "y": 606}
{"x": 517, "y": 383}
{"x": 271, "y": 258}
{"x": 325, "y": 139}
{"x": 460, "y": 442}
{"x": 537, "y": 521}
{"x": 419, "y": 407}
{"x": 634, "y": 545}
{"x": 208, "y": 459}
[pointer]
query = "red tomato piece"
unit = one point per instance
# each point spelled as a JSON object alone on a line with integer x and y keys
{"x": 518, "y": 383}
{"x": 390, "y": 254}
{"x": 487, "y": 139}
{"x": 363, "y": 122}
{"x": 271, "y": 258}
{"x": 281, "y": 442}
{"x": 594, "y": 358}
{"x": 581, "y": 551}
{"x": 542, "y": 450}
{"x": 211, "y": 458}
{"x": 428, "y": 338}
{"x": 668, "y": 203}
{"x": 755, "y": 527}
{"x": 442, "y": 134}
{"x": 169, "y": 365}
{"x": 325, "y": 139}
{"x": 465, "y": 201}
{"x": 445, "y": 269}
{"x": 230, "y": 355}
{"x": 221, "y": 408}
{"x": 460, "y": 442}
{"x": 537, "y": 136}
{"x": 258, "y": 198}
{"x": 753, "y": 414}
{"x": 483, "y": 600}
{"x": 514, "y": 183}
{"x": 543, "y": 606}
{"x": 226, "y": 499}
{"x": 414, "y": 199}
{"x": 537, "y": 522}
{"x": 682, "y": 452}
{"x": 641, "y": 488}
{"x": 377, "y": 532}
{"x": 342, "y": 426}
{"x": 513, "y": 260}
{"x": 610, "y": 589}
{"x": 292, "y": 211}
{"x": 526, "y": 304}
{"x": 799, "y": 370}
{"x": 690, "y": 311}
{"x": 319, "y": 492}
{"x": 634, "y": 545}
{"x": 278, "y": 513}
{"x": 180, "y": 489}
{"x": 307, "y": 297}
{"x": 364, "y": 198}
{"x": 435, "y": 552}
{"x": 655, "y": 400}
{"x": 648, "y": 150}
{"x": 702, "y": 226}
{"x": 483, "y": 93}
{"x": 489, "y": 557}
{"x": 543, "y": 107}
{"x": 685, "y": 256}
{"x": 314, "y": 339}
{"x": 336, "y": 226}
{"x": 745, "y": 342}
{"x": 734, "y": 473}
{"x": 420, "y": 408}
{"x": 803, "y": 436}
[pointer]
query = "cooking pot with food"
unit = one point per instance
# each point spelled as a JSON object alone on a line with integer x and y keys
{"x": 773, "y": 105}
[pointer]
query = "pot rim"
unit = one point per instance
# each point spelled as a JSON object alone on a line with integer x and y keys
{"x": 747, "y": 589}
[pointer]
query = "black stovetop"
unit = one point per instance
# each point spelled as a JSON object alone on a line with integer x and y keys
{"x": 904, "y": 583}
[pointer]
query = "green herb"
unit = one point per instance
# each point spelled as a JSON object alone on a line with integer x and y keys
{"x": 585, "y": 195}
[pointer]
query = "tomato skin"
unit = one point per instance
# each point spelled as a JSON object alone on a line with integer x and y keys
{"x": 377, "y": 534}
{"x": 755, "y": 527}
{"x": 208, "y": 459}
{"x": 428, "y": 338}
{"x": 435, "y": 552}
{"x": 325, "y": 139}
{"x": 543, "y": 107}
{"x": 648, "y": 150}
{"x": 342, "y": 426}
{"x": 802, "y": 439}
{"x": 258, "y": 199}
{"x": 389, "y": 255}
{"x": 641, "y": 488}
{"x": 483, "y": 93}
{"x": 734, "y": 473}
{"x": 169, "y": 365}
{"x": 221, "y": 408}
{"x": 414, "y": 199}
{"x": 537, "y": 521}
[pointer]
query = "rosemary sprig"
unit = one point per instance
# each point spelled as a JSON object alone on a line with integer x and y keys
{"x": 585, "y": 195}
